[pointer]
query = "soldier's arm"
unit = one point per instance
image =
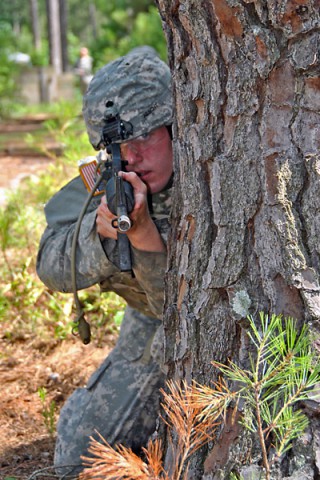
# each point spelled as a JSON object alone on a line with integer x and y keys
{"x": 149, "y": 251}
{"x": 149, "y": 269}
{"x": 54, "y": 256}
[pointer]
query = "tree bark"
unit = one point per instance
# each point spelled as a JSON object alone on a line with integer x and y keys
{"x": 63, "y": 16}
{"x": 37, "y": 45}
{"x": 246, "y": 215}
{"x": 34, "y": 10}
{"x": 54, "y": 35}
{"x": 93, "y": 20}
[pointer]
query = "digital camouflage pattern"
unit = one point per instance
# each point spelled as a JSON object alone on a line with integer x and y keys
{"x": 120, "y": 401}
{"x": 137, "y": 87}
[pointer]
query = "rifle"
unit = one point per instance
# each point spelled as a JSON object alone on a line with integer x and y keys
{"x": 120, "y": 201}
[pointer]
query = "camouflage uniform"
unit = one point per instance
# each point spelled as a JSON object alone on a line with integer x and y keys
{"x": 121, "y": 399}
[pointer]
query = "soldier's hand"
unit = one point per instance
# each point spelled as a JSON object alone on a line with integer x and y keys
{"x": 143, "y": 234}
{"x": 104, "y": 219}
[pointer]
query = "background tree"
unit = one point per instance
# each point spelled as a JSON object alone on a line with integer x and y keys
{"x": 63, "y": 13}
{"x": 246, "y": 217}
{"x": 54, "y": 35}
{"x": 36, "y": 30}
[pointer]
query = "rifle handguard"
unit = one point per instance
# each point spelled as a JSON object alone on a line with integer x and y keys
{"x": 119, "y": 194}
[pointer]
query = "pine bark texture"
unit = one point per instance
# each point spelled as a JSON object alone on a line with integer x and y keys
{"x": 246, "y": 216}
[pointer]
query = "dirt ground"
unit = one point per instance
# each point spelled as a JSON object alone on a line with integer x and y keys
{"x": 29, "y": 364}
{"x": 26, "y": 445}
{"x": 18, "y": 159}
{"x": 14, "y": 169}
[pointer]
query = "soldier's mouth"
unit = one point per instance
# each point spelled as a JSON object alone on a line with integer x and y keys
{"x": 143, "y": 174}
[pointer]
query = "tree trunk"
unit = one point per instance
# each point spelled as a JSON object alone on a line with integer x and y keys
{"x": 246, "y": 214}
{"x": 54, "y": 39}
{"x": 63, "y": 14}
{"x": 54, "y": 35}
{"x": 93, "y": 20}
{"x": 35, "y": 24}
{"x": 37, "y": 45}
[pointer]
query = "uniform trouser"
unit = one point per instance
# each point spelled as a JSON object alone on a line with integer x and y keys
{"x": 121, "y": 399}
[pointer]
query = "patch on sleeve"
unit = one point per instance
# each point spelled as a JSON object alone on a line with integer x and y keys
{"x": 89, "y": 172}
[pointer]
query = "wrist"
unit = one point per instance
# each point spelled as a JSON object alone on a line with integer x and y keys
{"x": 146, "y": 238}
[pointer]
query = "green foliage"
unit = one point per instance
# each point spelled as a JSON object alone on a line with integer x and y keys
{"x": 123, "y": 31}
{"x": 14, "y": 12}
{"x": 147, "y": 30}
{"x": 284, "y": 369}
{"x": 48, "y": 410}
{"x": 39, "y": 58}
{"x": 8, "y": 70}
{"x": 114, "y": 20}
{"x": 5, "y": 225}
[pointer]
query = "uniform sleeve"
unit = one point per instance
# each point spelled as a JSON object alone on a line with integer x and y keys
{"x": 149, "y": 269}
{"x": 96, "y": 261}
{"x": 54, "y": 256}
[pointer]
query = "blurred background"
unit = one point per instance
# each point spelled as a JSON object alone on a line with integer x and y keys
{"x": 40, "y": 42}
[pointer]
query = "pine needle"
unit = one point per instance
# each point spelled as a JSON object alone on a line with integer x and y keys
{"x": 284, "y": 370}
{"x": 112, "y": 463}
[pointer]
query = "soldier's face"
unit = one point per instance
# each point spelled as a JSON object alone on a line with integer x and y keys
{"x": 150, "y": 156}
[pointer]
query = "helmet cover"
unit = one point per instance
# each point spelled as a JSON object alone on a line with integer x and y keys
{"x": 135, "y": 88}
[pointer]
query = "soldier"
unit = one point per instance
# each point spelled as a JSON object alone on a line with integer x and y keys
{"x": 121, "y": 399}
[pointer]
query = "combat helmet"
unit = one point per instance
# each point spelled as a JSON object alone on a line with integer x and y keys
{"x": 136, "y": 89}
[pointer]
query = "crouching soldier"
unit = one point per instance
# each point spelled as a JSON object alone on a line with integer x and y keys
{"x": 121, "y": 399}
